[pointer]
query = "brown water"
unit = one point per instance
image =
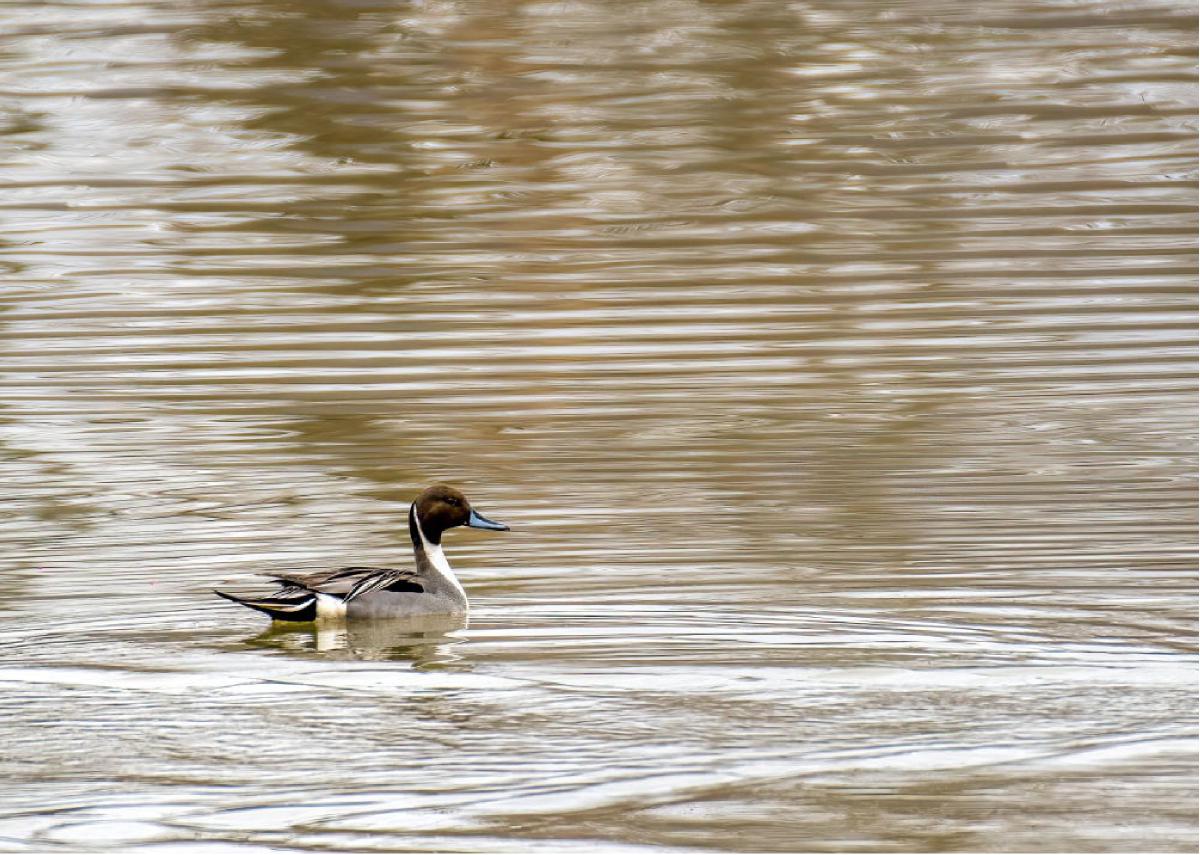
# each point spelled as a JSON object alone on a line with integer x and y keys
{"x": 833, "y": 363}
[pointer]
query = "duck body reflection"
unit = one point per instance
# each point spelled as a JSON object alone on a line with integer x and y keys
{"x": 424, "y": 640}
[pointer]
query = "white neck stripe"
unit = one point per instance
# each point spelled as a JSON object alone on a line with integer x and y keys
{"x": 437, "y": 558}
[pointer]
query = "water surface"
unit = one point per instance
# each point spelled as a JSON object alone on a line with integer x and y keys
{"x": 832, "y": 362}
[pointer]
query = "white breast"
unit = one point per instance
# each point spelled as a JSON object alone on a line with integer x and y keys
{"x": 438, "y": 559}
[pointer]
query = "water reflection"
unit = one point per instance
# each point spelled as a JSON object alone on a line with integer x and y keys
{"x": 833, "y": 362}
{"x": 426, "y": 641}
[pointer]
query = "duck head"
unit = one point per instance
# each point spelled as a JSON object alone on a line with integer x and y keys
{"x": 440, "y": 507}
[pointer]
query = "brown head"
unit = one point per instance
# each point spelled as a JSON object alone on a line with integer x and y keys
{"x": 441, "y": 507}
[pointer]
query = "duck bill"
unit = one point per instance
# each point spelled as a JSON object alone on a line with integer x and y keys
{"x": 478, "y": 520}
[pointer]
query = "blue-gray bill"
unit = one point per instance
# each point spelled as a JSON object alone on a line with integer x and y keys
{"x": 478, "y": 520}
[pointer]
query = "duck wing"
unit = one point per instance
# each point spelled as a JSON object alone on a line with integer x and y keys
{"x": 385, "y": 580}
{"x": 350, "y": 582}
{"x": 296, "y": 598}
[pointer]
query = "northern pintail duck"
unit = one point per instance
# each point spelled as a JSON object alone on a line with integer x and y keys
{"x": 431, "y": 588}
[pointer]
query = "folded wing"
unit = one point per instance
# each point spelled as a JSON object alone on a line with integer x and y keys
{"x": 296, "y": 598}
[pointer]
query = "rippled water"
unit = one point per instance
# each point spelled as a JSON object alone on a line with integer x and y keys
{"x": 833, "y": 363}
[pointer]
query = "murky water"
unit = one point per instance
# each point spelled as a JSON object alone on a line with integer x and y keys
{"x": 833, "y": 363}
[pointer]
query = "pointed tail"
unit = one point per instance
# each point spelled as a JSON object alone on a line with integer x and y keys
{"x": 301, "y": 606}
